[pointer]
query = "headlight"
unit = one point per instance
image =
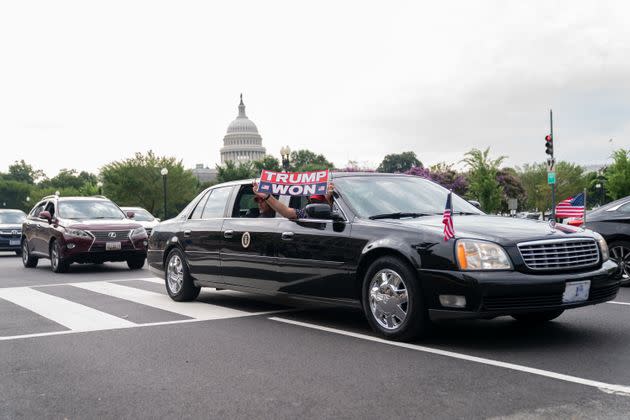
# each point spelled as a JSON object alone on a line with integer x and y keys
{"x": 78, "y": 233}
{"x": 603, "y": 246}
{"x": 139, "y": 232}
{"x": 479, "y": 255}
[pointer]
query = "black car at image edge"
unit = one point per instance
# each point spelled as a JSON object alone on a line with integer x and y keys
{"x": 381, "y": 246}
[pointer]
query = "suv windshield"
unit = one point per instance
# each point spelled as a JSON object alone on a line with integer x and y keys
{"x": 403, "y": 196}
{"x": 141, "y": 215}
{"x": 10, "y": 218}
{"x": 89, "y": 209}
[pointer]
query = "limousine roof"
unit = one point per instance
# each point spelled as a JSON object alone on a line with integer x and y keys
{"x": 334, "y": 175}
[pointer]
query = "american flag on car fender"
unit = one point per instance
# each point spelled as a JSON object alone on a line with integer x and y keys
{"x": 447, "y": 218}
{"x": 571, "y": 207}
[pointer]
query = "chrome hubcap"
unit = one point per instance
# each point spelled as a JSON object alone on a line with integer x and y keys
{"x": 175, "y": 274}
{"x": 388, "y": 298}
{"x": 54, "y": 258}
{"x": 621, "y": 256}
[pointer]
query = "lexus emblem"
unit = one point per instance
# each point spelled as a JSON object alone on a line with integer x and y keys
{"x": 14, "y": 232}
{"x": 246, "y": 240}
{"x": 112, "y": 235}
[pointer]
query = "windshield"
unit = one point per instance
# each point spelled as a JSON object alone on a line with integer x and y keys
{"x": 140, "y": 215}
{"x": 88, "y": 209}
{"x": 370, "y": 196}
{"x": 11, "y": 218}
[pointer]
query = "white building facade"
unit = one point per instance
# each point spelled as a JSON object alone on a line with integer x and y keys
{"x": 242, "y": 142}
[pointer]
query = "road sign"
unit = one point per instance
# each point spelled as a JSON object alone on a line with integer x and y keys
{"x": 551, "y": 178}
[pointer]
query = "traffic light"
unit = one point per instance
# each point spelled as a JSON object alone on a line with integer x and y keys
{"x": 549, "y": 145}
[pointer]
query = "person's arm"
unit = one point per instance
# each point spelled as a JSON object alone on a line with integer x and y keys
{"x": 329, "y": 193}
{"x": 285, "y": 211}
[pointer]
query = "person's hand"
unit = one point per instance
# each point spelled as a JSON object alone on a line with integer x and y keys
{"x": 258, "y": 193}
{"x": 329, "y": 192}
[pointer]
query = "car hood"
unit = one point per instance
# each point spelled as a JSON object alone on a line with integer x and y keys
{"x": 121, "y": 224}
{"x": 10, "y": 226}
{"x": 506, "y": 231}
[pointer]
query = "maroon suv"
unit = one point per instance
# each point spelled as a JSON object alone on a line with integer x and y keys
{"x": 81, "y": 230}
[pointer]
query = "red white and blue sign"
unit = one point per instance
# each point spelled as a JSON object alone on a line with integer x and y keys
{"x": 293, "y": 183}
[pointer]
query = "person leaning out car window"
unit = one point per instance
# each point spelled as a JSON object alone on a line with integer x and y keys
{"x": 291, "y": 213}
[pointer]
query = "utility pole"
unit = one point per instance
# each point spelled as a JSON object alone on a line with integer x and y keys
{"x": 553, "y": 169}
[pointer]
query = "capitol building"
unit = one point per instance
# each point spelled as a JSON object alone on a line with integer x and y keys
{"x": 242, "y": 141}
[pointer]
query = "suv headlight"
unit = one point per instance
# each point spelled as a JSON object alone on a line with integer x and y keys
{"x": 138, "y": 232}
{"x": 78, "y": 233}
{"x": 480, "y": 255}
{"x": 603, "y": 246}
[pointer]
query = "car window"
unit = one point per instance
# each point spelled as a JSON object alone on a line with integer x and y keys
{"x": 298, "y": 202}
{"x": 624, "y": 209}
{"x": 50, "y": 208}
{"x": 244, "y": 205}
{"x": 215, "y": 205}
{"x": 196, "y": 214}
{"x": 38, "y": 209}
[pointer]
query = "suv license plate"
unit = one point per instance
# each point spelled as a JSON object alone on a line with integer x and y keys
{"x": 576, "y": 291}
{"x": 112, "y": 246}
{"x": 14, "y": 242}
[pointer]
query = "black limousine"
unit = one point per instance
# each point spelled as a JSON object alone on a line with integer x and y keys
{"x": 381, "y": 246}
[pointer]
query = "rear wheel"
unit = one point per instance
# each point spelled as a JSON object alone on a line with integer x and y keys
{"x": 135, "y": 263}
{"x": 392, "y": 301}
{"x": 27, "y": 259}
{"x": 538, "y": 317}
{"x": 620, "y": 253}
{"x": 179, "y": 282}
{"x": 57, "y": 263}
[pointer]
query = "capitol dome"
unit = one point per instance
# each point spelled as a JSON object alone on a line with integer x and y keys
{"x": 242, "y": 141}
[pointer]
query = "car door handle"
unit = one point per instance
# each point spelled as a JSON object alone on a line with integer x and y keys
{"x": 228, "y": 234}
{"x": 287, "y": 236}
{"x": 187, "y": 233}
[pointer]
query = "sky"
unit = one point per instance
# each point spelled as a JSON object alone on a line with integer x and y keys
{"x": 85, "y": 83}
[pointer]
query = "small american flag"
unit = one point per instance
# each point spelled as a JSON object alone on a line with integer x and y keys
{"x": 571, "y": 207}
{"x": 447, "y": 219}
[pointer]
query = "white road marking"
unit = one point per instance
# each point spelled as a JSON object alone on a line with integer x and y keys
{"x": 70, "y": 314}
{"x": 619, "y": 303}
{"x": 197, "y": 310}
{"x": 111, "y": 280}
{"x": 602, "y": 386}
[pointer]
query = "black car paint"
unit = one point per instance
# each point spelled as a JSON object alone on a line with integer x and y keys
{"x": 326, "y": 260}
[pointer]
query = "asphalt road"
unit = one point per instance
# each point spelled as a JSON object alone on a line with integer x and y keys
{"x": 106, "y": 342}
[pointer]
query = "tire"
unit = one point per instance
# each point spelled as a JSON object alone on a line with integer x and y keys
{"x": 538, "y": 317}
{"x": 620, "y": 253}
{"x": 27, "y": 259}
{"x": 403, "y": 318}
{"x": 18, "y": 252}
{"x": 177, "y": 278}
{"x": 135, "y": 263}
{"x": 57, "y": 263}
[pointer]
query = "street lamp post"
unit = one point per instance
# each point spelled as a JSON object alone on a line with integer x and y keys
{"x": 164, "y": 172}
{"x": 285, "y": 152}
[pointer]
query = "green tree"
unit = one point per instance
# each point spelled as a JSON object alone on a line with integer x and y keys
{"x": 70, "y": 178}
{"x": 570, "y": 181}
{"x": 305, "y": 160}
{"x": 511, "y": 185}
{"x": 399, "y": 162}
{"x": 23, "y": 172}
{"x": 232, "y": 171}
{"x": 482, "y": 178}
{"x": 268, "y": 162}
{"x": 13, "y": 194}
{"x": 618, "y": 175}
{"x": 137, "y": 181}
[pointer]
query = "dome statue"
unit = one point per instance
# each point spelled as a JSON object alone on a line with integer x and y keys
{"x": 242, "y": 142}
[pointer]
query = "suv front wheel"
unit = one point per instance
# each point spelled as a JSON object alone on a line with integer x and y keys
{"x": 28, "y": 260}
{"x": 57, "y": 263}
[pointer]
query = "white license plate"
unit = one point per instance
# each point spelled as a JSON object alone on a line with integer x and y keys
{"x": 576, "y": 291}
{"x": 112, "y": 246}
{"x": 14, "y": 242}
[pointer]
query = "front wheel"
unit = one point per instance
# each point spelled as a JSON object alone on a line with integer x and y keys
{"x": 179, "y": 282}
{"x": 620, "y": 253}
{"x": 538, "y": 317}
{"x": 28, "y": 260}
{"x": 57, "y": 263}
{"x": 135, "y": 263}
{"x": 392, "y": 300}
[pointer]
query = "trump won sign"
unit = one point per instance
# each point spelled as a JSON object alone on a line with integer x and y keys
{"x": 293, "y": 183}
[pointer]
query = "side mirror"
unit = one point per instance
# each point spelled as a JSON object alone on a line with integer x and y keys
{"x": 45, "y": 215}
{"x": 475, "y": 203}
{"x": 319, "y": 211}
{"x": 130, "y": 214}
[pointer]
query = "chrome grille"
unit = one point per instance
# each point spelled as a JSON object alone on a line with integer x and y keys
{"x": 559, "y": 254}
{"x": 104, "y": 235}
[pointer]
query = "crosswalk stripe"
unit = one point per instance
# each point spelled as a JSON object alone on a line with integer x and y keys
{"x": 197, "y": 310}
{"x": 70, "y": 314}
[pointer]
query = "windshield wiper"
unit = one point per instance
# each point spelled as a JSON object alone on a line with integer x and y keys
{"x": 397, "y": 215}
